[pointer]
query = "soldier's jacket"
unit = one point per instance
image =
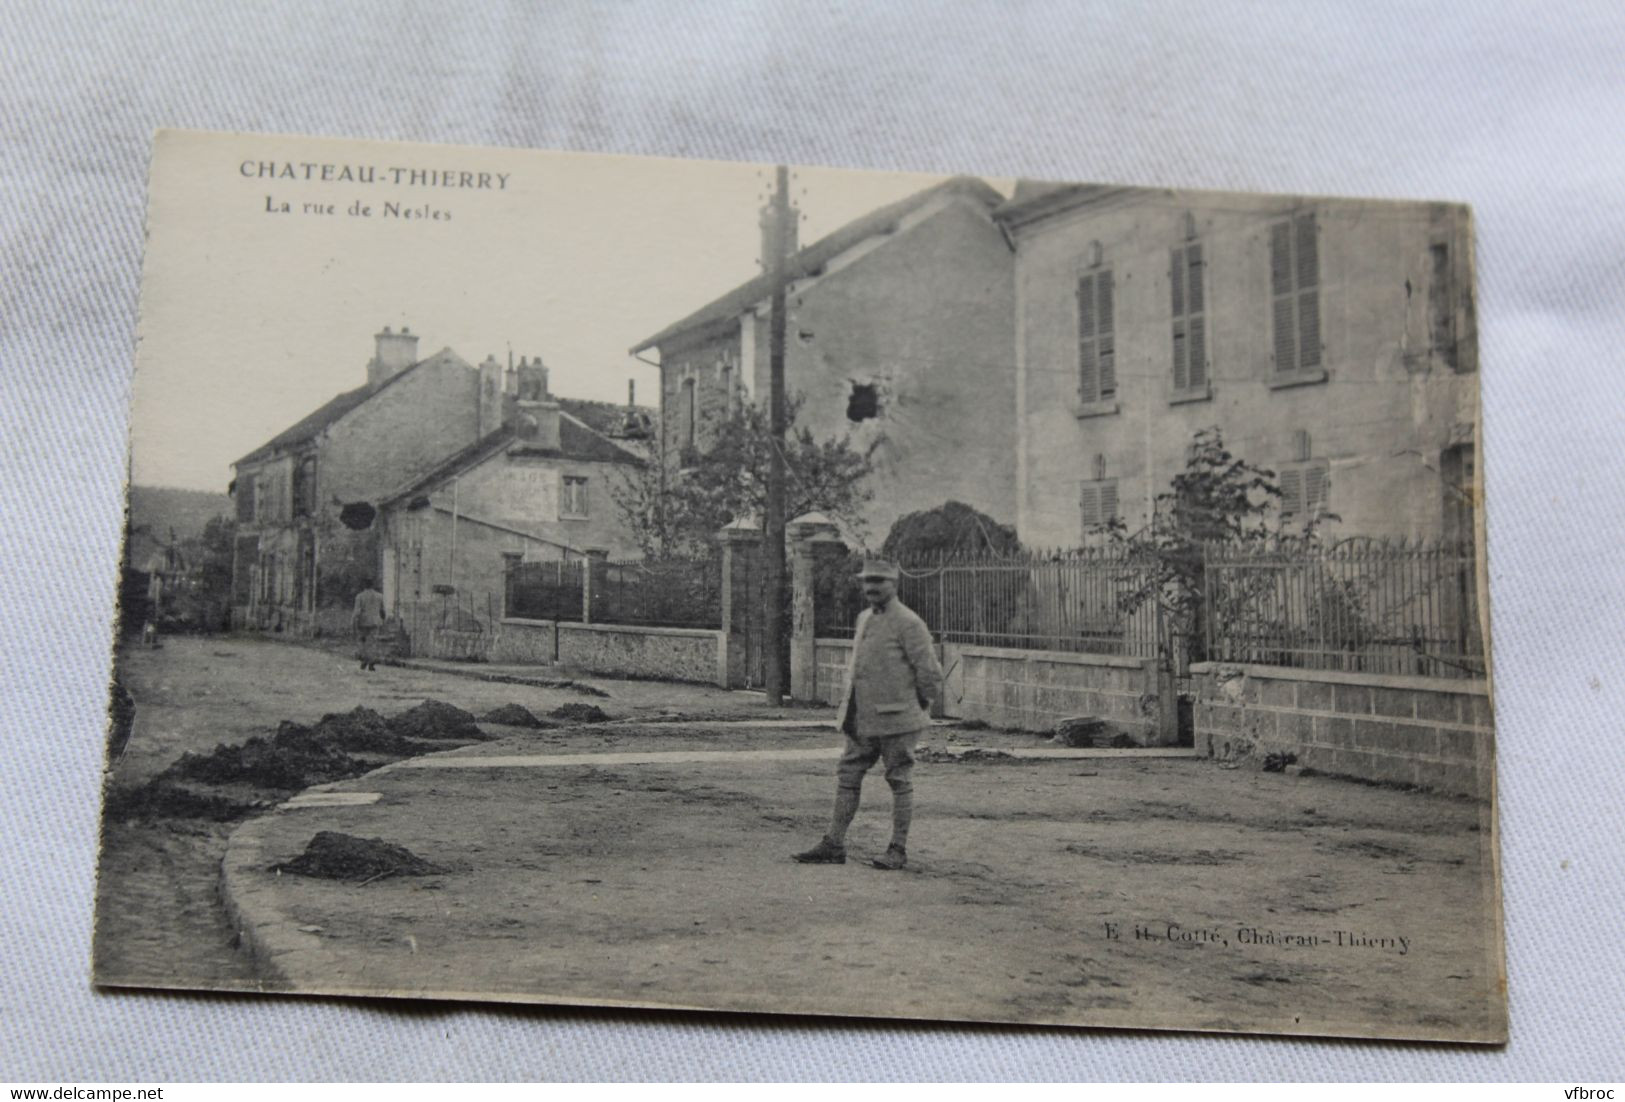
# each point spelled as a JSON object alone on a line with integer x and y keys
{"x": 892, "y": 675}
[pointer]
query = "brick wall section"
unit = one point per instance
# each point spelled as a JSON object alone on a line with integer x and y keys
{"x": 661, "y": 654}
{"x": 1035, "y": 690}
{"x": 1429, "y": 732}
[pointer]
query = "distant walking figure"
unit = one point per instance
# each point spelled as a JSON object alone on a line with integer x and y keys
{"x": 366, "y": 619}
{"x": 892, "y": 678}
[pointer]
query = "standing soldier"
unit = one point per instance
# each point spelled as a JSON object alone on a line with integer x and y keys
{"x": 892, "y": 678}
{"x": 366, "y": 619}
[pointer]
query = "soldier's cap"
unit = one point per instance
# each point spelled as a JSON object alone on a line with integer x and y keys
{"x": 878, "y": 568}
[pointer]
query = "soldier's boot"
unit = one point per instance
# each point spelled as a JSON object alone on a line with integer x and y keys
{"x": 902, "y": 816}
{"x": 831, "y": 849}
{"x": 825, "y": 852}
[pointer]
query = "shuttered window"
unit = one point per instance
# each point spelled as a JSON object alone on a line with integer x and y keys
{"x": 1189, "y": 302}
{"x": 1441, "y": 304}
{"x": 1305, "y": 488}
{"x": 1097, "y": 340}
{"x": 1295, "y": 294}
{"x": 1097, "y": 503}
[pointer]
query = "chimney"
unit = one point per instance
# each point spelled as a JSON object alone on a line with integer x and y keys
{"x": 396, "y": 352}
{"x": 633, "y": 424}
{"x": 491, "y": 396}
{"x": 538, "y": 412}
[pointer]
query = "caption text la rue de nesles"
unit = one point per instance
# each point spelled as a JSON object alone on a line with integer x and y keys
{"x": 393, "y": 175}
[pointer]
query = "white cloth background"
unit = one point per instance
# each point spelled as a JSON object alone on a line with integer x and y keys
{"x": 1518, "y": 108}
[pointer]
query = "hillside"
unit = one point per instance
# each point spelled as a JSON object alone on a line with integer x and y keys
{"x": 154, "y": 510}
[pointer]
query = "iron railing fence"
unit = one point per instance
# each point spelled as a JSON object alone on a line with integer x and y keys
{"x": 664, "y": 592}
{"x": 1373, "y": 606}
{"x": 544, "y": 590}
{"x": 837, "y": 594}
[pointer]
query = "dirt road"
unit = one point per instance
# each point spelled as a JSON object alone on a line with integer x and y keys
{"x": 1126, "y": 892}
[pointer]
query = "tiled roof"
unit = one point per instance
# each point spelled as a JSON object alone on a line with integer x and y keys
{"x": 608, "y": 418}
{"x": 811, "y": 260}
{"x": 308, "y": 427}
{"x": 576, "y": 442}
{"x": 1036, "y": 198}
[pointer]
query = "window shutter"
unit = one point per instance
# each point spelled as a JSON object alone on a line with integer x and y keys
{"x": 1196, "y": 342}
{"x": 1315, "y": 487}
{"x": 1291, "y": 491}
{"x": 1176, "y": 298}
{"x": 1089, "y": 506}
{"x": 1107, "y": 347}
{"x": 1108, "y": 501}
{"x": 1308, "y": 295}
{"x": 1309, "y": 329}
{"x": 1088, "y": 373}
{"x": 1285, "y": 349}
{"x": 1281, "y": 258}
{"x": 1286, "y": 358}
{"x": 1308, "y": 253}
{"x": 1195, "y": 324}
{"x": 1441, "y": 304}
{"x": 1193, "y": 256}
{"x": 1181, "y": 374}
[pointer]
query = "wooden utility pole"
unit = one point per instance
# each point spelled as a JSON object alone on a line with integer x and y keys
{"x": 773, "y": 524}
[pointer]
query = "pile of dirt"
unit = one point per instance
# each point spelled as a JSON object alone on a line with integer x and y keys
{"x": 437, "y": 721}
{"x": 1278, "y": 761}
{"x": 932, "y": 754}
{"x": 361, "y": 730}
{"x": 287, "y": 762}
{"x": 335, "y": 856}
{"x": 513, "y": 715}
{"x": 579, "y": 713}
{"x": 1082, "y": 731}
{"x": 249, "y": 776}
{"x": 162, "y": 798}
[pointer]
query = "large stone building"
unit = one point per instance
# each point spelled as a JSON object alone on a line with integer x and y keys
{"x": 307, "y": 498}
{"x": 1331, "y": 341}
{"x": 900, "y": 335}
{"x": 307, "y": 501}
{"x": 539, "y": 487}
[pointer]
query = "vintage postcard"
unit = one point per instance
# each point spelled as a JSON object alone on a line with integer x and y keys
{"x": 588, "y": 580}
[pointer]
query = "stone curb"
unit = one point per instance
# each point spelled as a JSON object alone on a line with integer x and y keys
{"x": 265, "y": 940}
{"x": 248, "y": 895}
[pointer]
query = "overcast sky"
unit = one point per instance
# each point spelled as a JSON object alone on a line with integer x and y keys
{"x": 252, "y": 318}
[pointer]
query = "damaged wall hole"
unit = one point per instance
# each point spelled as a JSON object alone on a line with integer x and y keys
{"x": 863, "y": 403}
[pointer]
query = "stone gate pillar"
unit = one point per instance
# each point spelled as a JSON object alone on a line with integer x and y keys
{"x": 809, "y": 536}
{"x": 739, "y": 539}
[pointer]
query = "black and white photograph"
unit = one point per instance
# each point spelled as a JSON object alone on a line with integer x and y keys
{"x": 654, "y": 583}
